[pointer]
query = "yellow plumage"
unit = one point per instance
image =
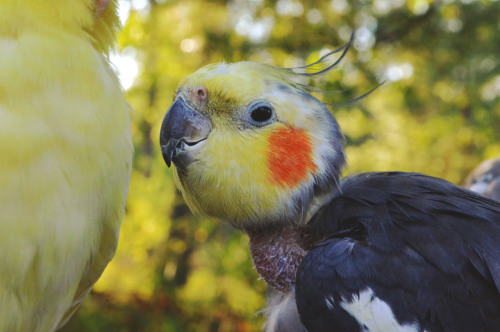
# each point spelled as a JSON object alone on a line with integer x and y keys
{"x": 232, "y": 174}
{"x": 65, "y": 147}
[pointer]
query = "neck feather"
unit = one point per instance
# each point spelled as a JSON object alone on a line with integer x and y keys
{"x": 277, "y": 253}
{"x": 278, "y": 250}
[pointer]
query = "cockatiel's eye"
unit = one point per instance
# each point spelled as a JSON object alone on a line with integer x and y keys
{"x": 261, "y": 113}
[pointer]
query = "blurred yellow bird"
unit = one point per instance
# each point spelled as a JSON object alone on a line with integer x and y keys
{"x": 65, "y": 157}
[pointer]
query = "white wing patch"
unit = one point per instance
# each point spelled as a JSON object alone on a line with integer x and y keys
{"x": 375, "y": 314}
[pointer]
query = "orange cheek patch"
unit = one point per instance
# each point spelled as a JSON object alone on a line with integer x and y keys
{"x": 290, "y": 156}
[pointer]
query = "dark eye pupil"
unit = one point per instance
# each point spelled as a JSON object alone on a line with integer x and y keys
{"x": 261, "y": 114}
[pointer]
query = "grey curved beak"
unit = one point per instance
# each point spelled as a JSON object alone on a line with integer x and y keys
{"x": 182, "y": 126}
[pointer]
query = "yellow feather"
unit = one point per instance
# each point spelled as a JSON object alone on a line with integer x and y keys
{"x": 246, "y": 173}
{"x": 230, "y": 176}
{"x": 65, "y": 147}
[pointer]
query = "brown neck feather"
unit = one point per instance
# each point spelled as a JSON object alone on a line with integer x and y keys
{"x": 277, "y": 253}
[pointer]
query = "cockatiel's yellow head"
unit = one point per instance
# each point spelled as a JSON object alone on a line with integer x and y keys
{"x": 97, "y": 18}
{"x": 250, "y": 145}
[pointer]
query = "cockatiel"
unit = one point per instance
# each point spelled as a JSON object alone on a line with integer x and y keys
{"x": 485, "y": 179}
{"x": 66, "y": 155}
{"x": 372, "y": 252}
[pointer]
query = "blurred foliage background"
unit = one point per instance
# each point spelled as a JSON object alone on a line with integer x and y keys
{"x": 438, "y": 113}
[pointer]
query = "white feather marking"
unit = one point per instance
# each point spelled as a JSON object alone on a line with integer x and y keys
{"x": 375, "y": 314}
{"x": 330, "y": 302}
